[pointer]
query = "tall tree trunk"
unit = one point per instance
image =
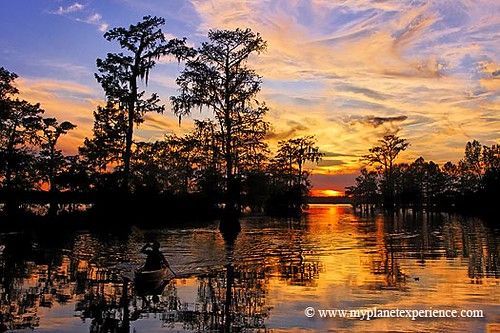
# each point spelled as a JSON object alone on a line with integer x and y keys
{"x": 229, "y": 222}
{"x": 129, "y": 135}
{"x": 232, "y": 192}
{"x": 131, "y": 114}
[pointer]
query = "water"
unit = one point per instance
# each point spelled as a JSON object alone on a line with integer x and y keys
{"x": 330, "y": 259}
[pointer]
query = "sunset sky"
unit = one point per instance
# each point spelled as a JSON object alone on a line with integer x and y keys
{"x": 346, "y": 71}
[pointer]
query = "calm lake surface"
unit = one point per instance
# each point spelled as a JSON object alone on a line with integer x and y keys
{"x": 330, "y": 259}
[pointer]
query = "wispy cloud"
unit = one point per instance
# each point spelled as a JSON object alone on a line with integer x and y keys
{"x": 81, "y": 13}
{"x": 65, "y": 67}
{"x": 66, "y": 100}
{"x": 378, "y": 121}
{"x": 95, "y": 19}
{"x": 75, "y": 102}
{"x": 76, "y": 7}
{"x": 350, "y": 71}
{"x": 361, "y": 68}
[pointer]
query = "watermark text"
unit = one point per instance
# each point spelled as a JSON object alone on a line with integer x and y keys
{"x": 373, "y": 313}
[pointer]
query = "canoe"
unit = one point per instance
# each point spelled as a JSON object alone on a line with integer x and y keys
{"x": 152, "y": 282}
{"x": 153, "y": 276}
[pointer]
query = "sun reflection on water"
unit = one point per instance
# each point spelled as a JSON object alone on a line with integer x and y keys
{"x": 331, "y": 258}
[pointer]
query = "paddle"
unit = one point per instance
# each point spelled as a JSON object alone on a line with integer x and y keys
{"x": 171, "y": 270}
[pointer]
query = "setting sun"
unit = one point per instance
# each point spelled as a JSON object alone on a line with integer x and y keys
{"x": 326, "y": 193}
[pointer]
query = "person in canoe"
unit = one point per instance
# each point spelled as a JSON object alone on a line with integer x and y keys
{"x": 156, "y": 273}
{"x": 155, "y": 259}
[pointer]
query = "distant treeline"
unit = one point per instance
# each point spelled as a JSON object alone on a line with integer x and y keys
{"x": 470, "y": 186}
{"x": 224, "y": 159}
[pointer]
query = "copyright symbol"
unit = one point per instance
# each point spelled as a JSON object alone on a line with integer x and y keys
{"x": 309, "y": 312}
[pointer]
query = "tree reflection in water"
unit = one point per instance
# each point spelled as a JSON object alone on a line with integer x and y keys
{"x": 228, "y": 299}
{"x": 233, "y": 294}
{"x": 424, "y": 237}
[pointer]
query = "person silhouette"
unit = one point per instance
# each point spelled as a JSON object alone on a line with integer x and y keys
{"x": 155, "y": 259}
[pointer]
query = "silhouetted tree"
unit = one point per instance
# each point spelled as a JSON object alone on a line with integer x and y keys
{"x": 219, "y": 78}
{"x": 451, "y": 174}
{"x": 491, "y": 178}
{"x": 7, "y": 91}
{"x": 251, "y": 152}
{"x": 19, "y": 123}
{"x": 290, "y": 183}
{"x": 119, "y": 74}
{"x": 491, "y": 157}
{"x": 107, "y": 145}
{"x": 406, "y": 188}
{"x": 293, "y": 153}
{"x": 76, "y": 176}
{"x": 52, "y": 159}
{"x": 365, "y": 191}
{"x": 384, "y": 155}
{"x": 22, "y": 131}
{"x": 167, "y": 165}
{"x": 471, "y": 167}
{"x": 210, "y": 170}
{"x": 150, "y": 167}
{"x": 472, "y": 186}
{"x": 434, "y": 183}
{"x": 422, "y": 183}
{"x": 7, "y": 87}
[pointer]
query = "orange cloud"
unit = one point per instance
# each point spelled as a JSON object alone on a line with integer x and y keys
{"x": 347, "y": 72}
{"x": 76, "y": 103}
{"x": 401, "y": 60}
{"x": 66, "y": 101}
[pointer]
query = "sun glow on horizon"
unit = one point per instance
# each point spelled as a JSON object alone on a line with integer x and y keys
{"x": 326, "y": 193}
{"x": 347, "y": 72}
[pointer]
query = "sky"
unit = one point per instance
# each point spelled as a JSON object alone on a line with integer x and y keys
{"x": 346, "y": 71}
